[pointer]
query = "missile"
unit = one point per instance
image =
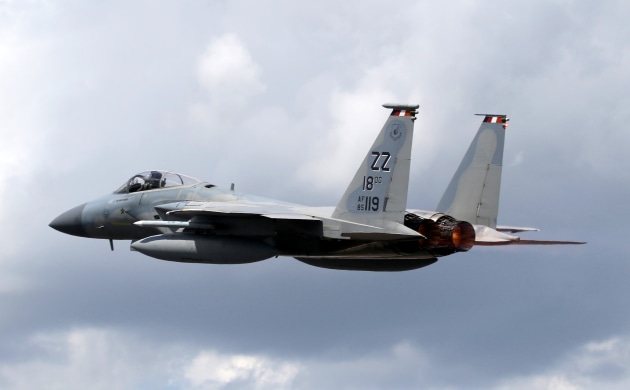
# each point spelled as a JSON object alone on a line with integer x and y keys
{"x": 174, "y": 225}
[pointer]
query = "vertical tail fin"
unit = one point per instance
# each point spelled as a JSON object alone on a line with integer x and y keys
{"x": 473, "y": 194}
{"x": 378, "y": 192}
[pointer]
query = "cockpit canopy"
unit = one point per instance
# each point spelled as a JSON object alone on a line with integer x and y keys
{"x": 151, "y": 180}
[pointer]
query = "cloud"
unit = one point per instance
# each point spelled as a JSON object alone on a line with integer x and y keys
{"x": 80, "y": 359}
{"x": 230, "y": 79}
{"x": 284, "y": 99}
{"x": 101, "y": 358}
{"x": 228, "y": 73}
{"x": 226, "y": 62}
{"x": 399, "y": 366}
{"x": 337, "y": 154}
{"x": 594, "y": 365}
{"x": 25, "y": 94}
{"x": 211, "y": 370}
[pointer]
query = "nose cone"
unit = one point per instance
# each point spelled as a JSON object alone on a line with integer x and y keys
{"x": 70, "y": 222}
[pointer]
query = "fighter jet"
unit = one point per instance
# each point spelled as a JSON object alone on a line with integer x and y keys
{"x": 175, "y": 217}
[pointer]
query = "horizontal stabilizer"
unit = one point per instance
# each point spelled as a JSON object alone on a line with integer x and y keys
{"x": 527, "y": 242}
{"x": 486, "y": 236}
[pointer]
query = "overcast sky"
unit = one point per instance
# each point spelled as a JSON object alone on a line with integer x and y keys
{"x": 283, "y": 98}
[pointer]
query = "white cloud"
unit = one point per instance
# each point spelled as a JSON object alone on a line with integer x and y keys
{"x": 399, "y": 366}
{"x": 595, "y": 365}
{"x": 211, "y": 370}
{"x": 228, "y": 72}
{"x": 230, "y": 79}
{"x": 227, "y": 61}
{"x": 99, "y": 358}
{"x": 545, "y": 382}
{"x": 79, "y": 359}
{"x": 24, "y": 94}
{"x": 357, "y": 118}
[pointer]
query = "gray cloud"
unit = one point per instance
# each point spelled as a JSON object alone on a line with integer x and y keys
{"x": 92, "y": 93}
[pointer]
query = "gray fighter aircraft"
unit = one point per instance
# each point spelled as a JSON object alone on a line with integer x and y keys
{"x": 174, "y": 217}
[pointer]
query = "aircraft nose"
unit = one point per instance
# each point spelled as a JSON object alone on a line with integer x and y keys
{"x": 70, "y": 222}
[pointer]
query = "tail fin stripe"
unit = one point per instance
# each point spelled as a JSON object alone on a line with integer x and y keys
{"x": 401, "y": 113}
{"x": 496, "y": 119}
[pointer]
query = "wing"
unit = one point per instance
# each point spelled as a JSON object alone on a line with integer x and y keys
{"x": 238, "y": 219}
{"x": 267, "y": 219}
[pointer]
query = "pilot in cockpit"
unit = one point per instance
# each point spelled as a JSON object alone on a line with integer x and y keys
{"x": 136, "y": 183}
{"x": 150, "y": 180}
{"x": 147, "y": 182}
{"x": 155, "y": 180}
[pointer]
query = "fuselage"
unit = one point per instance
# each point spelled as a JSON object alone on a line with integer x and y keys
{"x": 129, "y": 214}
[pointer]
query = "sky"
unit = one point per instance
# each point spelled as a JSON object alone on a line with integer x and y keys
{"x": 282, "y": 99}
